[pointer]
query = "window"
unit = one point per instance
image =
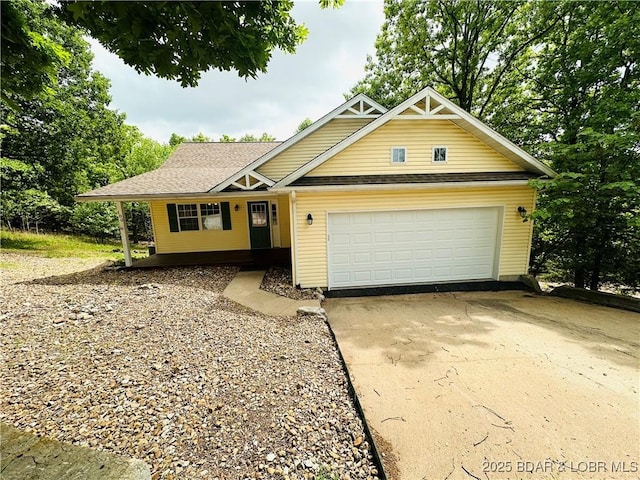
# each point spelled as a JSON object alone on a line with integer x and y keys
{"x": 398, "y": 154}
{"x": 439, "y": 154}
{"x": 211, "y": 217}
{"x": 184, "y": 217}
{"x": 188, "y": 217}
{"x": 274, "y": 214}
{"x": 259, "y": 215}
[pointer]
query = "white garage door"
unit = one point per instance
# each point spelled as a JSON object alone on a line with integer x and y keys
{"x": 411, "y": 246}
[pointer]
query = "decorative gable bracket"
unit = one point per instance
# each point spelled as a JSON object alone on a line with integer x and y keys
{"x": 427, "y": 106}
{"x": 251, "y": 181}
{"x": 361, "y": 108}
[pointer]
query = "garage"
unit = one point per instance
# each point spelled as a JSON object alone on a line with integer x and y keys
{"x": 378, "y": 248}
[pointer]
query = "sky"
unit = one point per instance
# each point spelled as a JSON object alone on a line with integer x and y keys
{"x": 309, "y": 83}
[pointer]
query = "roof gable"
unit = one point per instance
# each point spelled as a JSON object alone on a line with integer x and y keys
{"x": 429, "y": 105}
{"x": 192, "y": 168}
{"x": 358, "y": 107}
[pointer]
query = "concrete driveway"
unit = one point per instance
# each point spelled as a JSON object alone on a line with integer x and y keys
{"x": 493, "y": 385}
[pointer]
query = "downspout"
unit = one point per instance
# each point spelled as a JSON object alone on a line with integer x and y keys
{"x": 294, "y": 243}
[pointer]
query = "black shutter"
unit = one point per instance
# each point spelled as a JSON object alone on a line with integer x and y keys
{"x": 226, "y": 215}
{"x": 173, "y": 217}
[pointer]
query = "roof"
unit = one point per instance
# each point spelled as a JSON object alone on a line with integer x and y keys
{"x": 432, "y": 105}
{"x": 192, "y": 168}
{"x": 414, "y": 178}
{"x": 204, "y": 168}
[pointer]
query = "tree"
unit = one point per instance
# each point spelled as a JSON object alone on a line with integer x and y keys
{"x": 30, "y": 56}
{"x": 180, "y": 40}
{"x": 226, "y": 139}
{"x": 584, "y": 90}
{"x": 265, "y": 137}
{"x": 304, "y": 124}
{"x": 176, "y": 140}
{"x": 461, "y": 48}
{"x": 67, "y": 135}
{"x": 200, "y": 138}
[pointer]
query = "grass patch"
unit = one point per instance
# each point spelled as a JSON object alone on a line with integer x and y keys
{"x": 54, "y": 245}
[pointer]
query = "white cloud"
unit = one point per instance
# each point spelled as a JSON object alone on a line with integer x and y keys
{"x": 309, "y": 83}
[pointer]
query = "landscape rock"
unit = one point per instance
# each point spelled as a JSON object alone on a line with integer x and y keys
{"x": 313, "y": 312}
{"x": 195, "y": 385}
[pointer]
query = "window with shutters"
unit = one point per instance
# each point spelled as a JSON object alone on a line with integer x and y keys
{"x": 188, "y": 217}
{"x": 211, "y": 216}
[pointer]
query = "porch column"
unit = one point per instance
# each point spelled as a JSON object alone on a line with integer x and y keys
{"x": 124, "y": 234}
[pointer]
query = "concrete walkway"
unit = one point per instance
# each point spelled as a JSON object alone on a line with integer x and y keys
{"x": 245, "y": 290}
{"x": 24, "y": 456}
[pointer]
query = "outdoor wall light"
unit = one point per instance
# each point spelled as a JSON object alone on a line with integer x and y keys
{"x": 309, "y": 219}
{"x": 522, "y": 212}
{"x": 237, "y": 207}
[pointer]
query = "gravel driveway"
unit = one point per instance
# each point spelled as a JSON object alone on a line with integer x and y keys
{"x": 157, "y": 365}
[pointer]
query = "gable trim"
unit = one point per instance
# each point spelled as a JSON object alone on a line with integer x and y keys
{"x": 358, "y": 101}
{"x": 427, "y": 93}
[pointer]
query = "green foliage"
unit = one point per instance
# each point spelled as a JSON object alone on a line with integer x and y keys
{"x": 30, "y": 56}
{"x": 31, "y": 208}
{"x": 265, "y": 137}
{"x": 226, "y": 139}
{"x": 98, "y": 220}
{"x": 176, "y": 140}
{"x": 57, "y": 245}
{"x": 67, "y": 136}
{"x": 463, "y": 49}
{"x": 200, "y": 138}
{"x": 180, "y": 40}
{"x": 304, "y": 124}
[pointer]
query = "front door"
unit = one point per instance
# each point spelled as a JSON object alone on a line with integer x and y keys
{"x": 259, "y": 231}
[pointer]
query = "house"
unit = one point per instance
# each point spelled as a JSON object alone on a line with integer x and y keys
{"x": 365, "y": 196}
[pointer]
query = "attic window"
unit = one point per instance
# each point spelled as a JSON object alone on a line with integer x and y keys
{"x": 398, "y": 154}
{"x": 439, "y": 155}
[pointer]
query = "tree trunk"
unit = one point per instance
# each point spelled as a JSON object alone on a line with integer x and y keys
{"x": 579, "y": 273}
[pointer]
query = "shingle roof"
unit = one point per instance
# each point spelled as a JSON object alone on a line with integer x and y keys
{"x": 413, "y": 178}
{"x": 193, "y": 168}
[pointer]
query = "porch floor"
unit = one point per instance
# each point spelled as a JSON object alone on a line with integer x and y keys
{"x": 250, "y": 258}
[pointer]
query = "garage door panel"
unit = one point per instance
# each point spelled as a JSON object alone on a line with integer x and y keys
{"x": 413, "y": 246}
{"x": 383, "y": 256}
{"x": 363, "y": 257}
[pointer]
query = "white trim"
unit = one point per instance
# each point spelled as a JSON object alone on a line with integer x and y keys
{"x": 172, "y": 196}
{"x": 433, "y": 155}
{"x": 400, "y": 186}
{"x": 124, "y": 234}
{"x": 294, "y": 240}
{"x": 406, "y": 152}
{"x": 426, "y": 94}
{"x": 358, "y": 116}
{"x": 428, "y": 116}
{"x": 299, "y": 136}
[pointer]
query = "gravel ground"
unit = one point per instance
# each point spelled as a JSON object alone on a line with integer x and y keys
{"x": 157, "y": 365}
{"x": 278, "y": 280}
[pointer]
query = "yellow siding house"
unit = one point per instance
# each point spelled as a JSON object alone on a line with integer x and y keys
{"x": 365, "y": 197}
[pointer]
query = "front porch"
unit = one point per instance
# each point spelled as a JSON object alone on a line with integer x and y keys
{"x": 261, "y": 258}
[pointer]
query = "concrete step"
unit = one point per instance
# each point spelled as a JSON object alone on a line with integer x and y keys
{"x": 24, "y": 456}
